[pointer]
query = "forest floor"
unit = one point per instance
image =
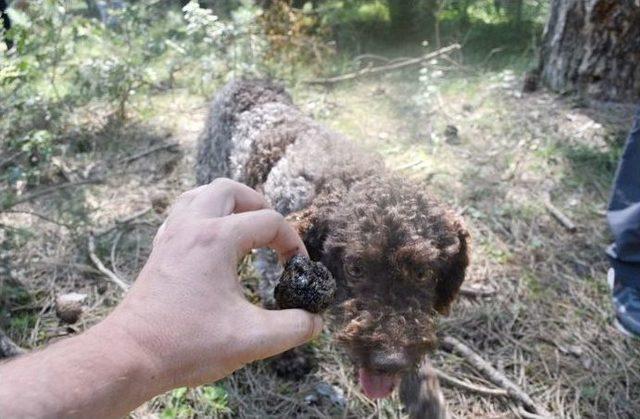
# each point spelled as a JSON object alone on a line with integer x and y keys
{"x": 546, "y": 323}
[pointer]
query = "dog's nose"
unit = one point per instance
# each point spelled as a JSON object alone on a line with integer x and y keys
{"x": 389, "y": 362}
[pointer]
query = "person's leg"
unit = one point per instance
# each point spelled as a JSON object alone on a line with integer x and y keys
{"x": 624, "y": 219}
{"x": 6, "y": 22}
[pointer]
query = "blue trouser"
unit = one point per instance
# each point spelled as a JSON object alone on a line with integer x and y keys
{"x": 624, "y": 212}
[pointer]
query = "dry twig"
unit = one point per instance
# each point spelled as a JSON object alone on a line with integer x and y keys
{"x": 46, "y": 191}
{"x": 560, "y": 216}
{"x": 172, "y": 147}
{"x": 8, "y": 348}
{"x": 411, "y": 165}
{"x": 384, "y": 68}
{"x": 477, "y": 292}
{"x": 100, "y": 266}
{"x": 41, "y": 216}
{"x": 528, "y": 415}
{"x": 371, "y": 57}
{"x": 494, "y": 375}
{"x": 443, "y": 376}
{"x": 11, "y": 158}
{"x": 122, "y": 222}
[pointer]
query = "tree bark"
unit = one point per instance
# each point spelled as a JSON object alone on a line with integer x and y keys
{"x": 593, "y": 47}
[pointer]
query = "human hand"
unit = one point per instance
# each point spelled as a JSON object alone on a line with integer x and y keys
{"x": 186, "y": 311}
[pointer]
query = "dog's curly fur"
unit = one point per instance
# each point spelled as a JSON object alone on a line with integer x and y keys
{"x": 397, "y": 254}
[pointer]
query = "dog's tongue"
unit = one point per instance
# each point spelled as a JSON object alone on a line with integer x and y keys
{"x": 376, "y": 385}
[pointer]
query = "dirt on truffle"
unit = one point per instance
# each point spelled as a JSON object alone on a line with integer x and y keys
{"x": 305, "y": 284}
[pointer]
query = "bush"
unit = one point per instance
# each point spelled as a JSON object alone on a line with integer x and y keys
{"x": 354, "y": 24}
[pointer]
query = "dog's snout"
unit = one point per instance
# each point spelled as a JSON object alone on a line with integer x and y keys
{"x": 389, "y": 362}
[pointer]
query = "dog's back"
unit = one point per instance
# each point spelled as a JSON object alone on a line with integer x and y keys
{"x": 253, "y": 125}
{"x": 215, "y": 144}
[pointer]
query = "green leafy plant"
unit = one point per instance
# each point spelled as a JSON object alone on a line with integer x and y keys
{"x": 202, "y": 401}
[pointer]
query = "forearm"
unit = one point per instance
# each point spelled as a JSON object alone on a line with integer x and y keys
{"x": 184, "y": 322}
{"x": 100, "y": 373}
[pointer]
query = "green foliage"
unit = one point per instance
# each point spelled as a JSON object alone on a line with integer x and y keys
{"x": 16, "y": 318}
{"x": 592, "y": 164}
{"x": 205, "y": 401}
{"x": 356, "y": 23}
{"x": 355, "y": 14}
{"x": 353, "y": 22}
{"x": 63, "y": 61}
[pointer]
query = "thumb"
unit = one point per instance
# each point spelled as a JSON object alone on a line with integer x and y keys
{"x": 282, "y": 330}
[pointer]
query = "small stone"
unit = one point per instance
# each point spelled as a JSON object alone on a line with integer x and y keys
{"x": 575, "y": 350}
{"x": 451, "y": 134}
{"x": 69, "y": 307}
{"x": 311, "y": 399}
{"x": 305, "y": 284}
{"x": 160, "y": 202}
{"x": 334, "y": 393}
{"x": 379, "y": 91}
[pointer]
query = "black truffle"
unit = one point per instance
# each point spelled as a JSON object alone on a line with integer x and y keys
{"x": 305, "y": 284}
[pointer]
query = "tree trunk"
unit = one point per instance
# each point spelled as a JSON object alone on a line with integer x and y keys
{"x": 593, "y": 47}
{"x": 401, "y": 13}
{"x": 412, "y": 18}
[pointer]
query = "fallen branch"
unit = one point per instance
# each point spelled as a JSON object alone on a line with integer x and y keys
{"x": 148, "y": 151}
{"x": 8, "y": 348}
{"x": 412, "y": 165}
{"x": 490, "y": 55}
{"x": 444, "y": 377}
{"x": 477, "y": 292}
{"x": 494, "y": 375}
{"x": 371, "y": 57}
{"x": 122, "y": 222}
{"x": 49, "y": 190}
{"x": 368, "y": 71}
{"x": 528, "y": 415}
{"x": 11, "y": 158}
{"x": 42, "y": 217}
{"x": 559, "y": 215}
{"x": 100, "y": 266}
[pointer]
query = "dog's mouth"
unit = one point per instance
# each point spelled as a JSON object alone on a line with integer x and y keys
{"x": 377, "y": 385}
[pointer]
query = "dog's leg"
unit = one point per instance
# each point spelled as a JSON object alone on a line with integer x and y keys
{"x": 421, "y": 394}
{"x": 295, "y": 363}
{"x": 266, "y": 263}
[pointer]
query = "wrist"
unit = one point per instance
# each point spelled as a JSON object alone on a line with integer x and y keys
{"x": 131, "y": 362}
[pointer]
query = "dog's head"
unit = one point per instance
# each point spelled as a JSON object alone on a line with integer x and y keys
{"x": 399, "y": 258}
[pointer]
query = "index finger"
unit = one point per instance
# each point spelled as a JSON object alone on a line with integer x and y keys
{"x": 220, "y": 198}
{"x": 263, "y": 228}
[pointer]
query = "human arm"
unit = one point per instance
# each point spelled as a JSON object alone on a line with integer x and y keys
{"x": 185, "y": 321}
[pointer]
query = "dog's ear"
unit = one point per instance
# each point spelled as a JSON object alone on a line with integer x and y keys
{"x": 311, "y": 228}
{"x": 451, "y": 280}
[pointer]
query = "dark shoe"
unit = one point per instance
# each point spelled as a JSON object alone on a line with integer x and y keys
{"x": 626, "y": 302}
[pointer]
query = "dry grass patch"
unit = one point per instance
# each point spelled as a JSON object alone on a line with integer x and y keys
{"x": 547, "y": 326}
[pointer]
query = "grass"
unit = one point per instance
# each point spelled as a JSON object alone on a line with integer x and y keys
{"x": 549, "y": 325}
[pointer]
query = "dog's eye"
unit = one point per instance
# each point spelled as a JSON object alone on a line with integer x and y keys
{"x": 354, "y": 268}
{"x": 425, "y": 273}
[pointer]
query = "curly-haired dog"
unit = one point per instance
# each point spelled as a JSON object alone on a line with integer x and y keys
{"x": 397, "y": 254}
